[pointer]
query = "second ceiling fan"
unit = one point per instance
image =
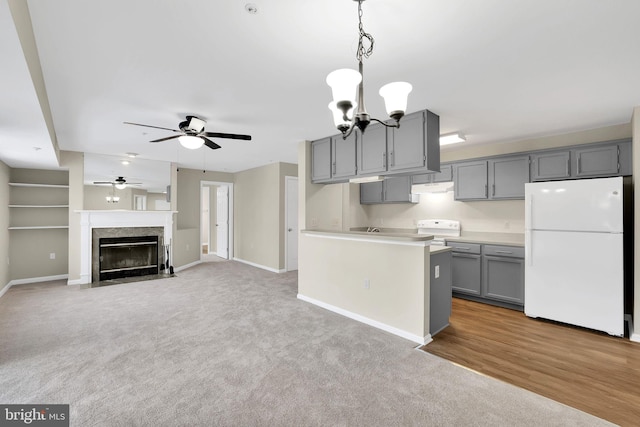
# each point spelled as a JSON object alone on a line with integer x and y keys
{"x": 192, "y": 134}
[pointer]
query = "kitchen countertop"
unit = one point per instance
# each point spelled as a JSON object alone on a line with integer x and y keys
{"x": 509, "y": 239}
{"x": 384, "y": 235}
{"x": 438, "y": 249}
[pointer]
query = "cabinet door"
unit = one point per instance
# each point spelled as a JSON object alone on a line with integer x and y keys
{"x": 406, "y": 143}
{"x": 343, "y": 153}
{"x": 423, "y": 178}
{"x": 372, "y": 150}
{"x": 371, "y": 192}
{"x": 470, "y": 180}
{"x": 507, "y": 177}
{"x": 445, "y": 174}
{"x": 503, "y": 279}
{"x": 321, "y": 160}
{"x": 466, "y": 277}
{"x": 397, "y": 189}
{"x": 599, "y": 161}
{"x": 547, "y": 166}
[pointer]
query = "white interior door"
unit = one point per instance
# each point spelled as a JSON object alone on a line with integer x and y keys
{"x": 204, "y": 220}
{"x": 291, "y": 219}
{"x": 222, "y": 222}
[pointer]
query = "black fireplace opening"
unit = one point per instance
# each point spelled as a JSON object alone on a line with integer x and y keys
{"x": 128, "y": 257}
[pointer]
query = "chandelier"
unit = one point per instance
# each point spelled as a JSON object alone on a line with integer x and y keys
{"x": 347, "y": 86}
{"x": 112, "y": 198}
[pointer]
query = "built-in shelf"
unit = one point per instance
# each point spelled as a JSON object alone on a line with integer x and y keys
{"x": 38, "y": 206}
{"x": 39, "y": 227}
{"x": 25, "y": 184}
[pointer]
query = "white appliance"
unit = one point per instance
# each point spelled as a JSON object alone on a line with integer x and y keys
{"x": 574, "y": 269}
{"x": 440, "y": 229}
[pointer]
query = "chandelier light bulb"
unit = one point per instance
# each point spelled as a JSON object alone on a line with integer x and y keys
{"x": 121, "y": 186}
{"x": 395, "y": 98}
{"x": 191, "y": 142}
{"x": 344, "y": 85}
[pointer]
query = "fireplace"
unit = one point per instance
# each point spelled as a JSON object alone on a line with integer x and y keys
{"x": 128, "y": 257}
{"x": 97, "y": 225}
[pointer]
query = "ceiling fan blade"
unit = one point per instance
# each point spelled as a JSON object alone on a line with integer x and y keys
{"x": 227, "y": 135}
{"x": 149, "y": 126}
{"x": 102, "y": 183}
{"x": 165, "y": 139}
{"x": 209, "y": 143}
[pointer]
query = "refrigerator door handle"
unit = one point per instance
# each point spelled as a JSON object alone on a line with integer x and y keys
{"x": 528, "y": 248}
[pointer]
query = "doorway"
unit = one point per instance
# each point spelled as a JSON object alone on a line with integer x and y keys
{"x": 291, "y": 223}
{"x": 216, "y": 220}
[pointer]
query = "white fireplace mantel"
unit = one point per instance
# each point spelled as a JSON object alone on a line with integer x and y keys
{"x": 113, "y": 219}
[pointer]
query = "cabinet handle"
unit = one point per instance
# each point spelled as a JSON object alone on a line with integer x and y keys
{"x": 333, "y": 169}
{"x": 485, "y": 190}
{"x": 568, "y": 167}
{"x": 493, "y": 190}
{"x": 384, "y": 160}
{"x": 462, "y": 248}
{"x": 578, "y": 165}
{"x": 504, "y": 252}
{"x": 393, "y": 162}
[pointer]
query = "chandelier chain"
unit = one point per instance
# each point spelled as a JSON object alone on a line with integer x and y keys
{"x": 362, "y": 50}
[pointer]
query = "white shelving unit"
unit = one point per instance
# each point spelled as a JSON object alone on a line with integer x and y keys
{"x": 39, "y": 210}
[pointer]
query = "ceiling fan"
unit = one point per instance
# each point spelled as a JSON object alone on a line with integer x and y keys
{"x": 192, "y": 134}
{"x": 120, "y": 183}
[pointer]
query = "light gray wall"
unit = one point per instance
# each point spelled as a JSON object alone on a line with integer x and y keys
{"x": 73, "y": 161}
{"x": 4, "y": 225}
{"x": 185, "y": 198}
{"x": 95, "y": 198}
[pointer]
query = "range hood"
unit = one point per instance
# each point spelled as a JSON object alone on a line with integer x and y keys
{"x": 435, "y": 187}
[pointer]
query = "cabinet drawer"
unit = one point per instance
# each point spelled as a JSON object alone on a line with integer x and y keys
{"x": 507, "y": 251}
{"x": 469, "y": 248}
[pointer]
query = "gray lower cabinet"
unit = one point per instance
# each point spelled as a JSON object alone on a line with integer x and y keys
{"x": 470, "y": 180}
{"x": 488, "y": 273}
{"x": 395, "y": 189}
{"x": 440, "y": 294}
{"x": 503, "y": 279}
{"x": 466, "y": 268}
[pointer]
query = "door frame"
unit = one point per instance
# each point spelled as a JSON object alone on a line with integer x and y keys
{"x": 287, "y": 179}
{"x": 230, "y": 223}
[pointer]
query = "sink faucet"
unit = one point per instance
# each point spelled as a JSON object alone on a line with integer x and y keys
{"x": 373, "y": 230}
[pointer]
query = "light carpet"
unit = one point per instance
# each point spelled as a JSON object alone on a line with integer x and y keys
{"x": 227, "y": 344}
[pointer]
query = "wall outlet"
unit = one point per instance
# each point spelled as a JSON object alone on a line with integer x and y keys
{"x": 52, "y": 255}
{"x": 335, "y": 222}
{"x": 314, "y": 222}
{"x": 8, "y": 261}
{"x": 367, "y": 284}
{"x": 436, "y": 271}
{"x": 187, "y": 246}
{"x": 507, "y": 225}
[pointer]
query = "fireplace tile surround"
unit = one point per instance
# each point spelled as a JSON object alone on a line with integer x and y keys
{"x": 118, "y": 223}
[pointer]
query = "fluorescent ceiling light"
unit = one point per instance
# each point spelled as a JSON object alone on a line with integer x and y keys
{"x": 452, "y": 138}
{"x": 125, "y": 162}
{"x": 366, "y": 179}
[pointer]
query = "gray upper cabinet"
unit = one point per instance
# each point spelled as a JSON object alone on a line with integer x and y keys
{"x": 343, "y": 156}
{"x": 396, "y": 189}
{"x": 372, "y": 150}
{"x": 415, "y": 145}
{"x": 549, "y": 166}
{"x": 445, "y": 175}
{"x": 406, "y": 143}
{"x": 470, "y": 180}
{"x": 507, "y": 176}
{"x": 321, "y": 160}
{"x": 597, "y": 161}
{"x": 371, "y": 192}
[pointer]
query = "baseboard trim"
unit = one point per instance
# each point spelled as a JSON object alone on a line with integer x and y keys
{"x": 184, "y": 267}
{"x": 32, "y": 280}
{"x": 264, "y": 267}
{"x": 362, "y": 319}
{"x": 632, "y": 335}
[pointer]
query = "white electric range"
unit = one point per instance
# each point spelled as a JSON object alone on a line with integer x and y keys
{"x": 440, "y": 229}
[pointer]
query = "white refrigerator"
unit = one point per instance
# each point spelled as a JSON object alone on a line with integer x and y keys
{"x": 574, "y": 270}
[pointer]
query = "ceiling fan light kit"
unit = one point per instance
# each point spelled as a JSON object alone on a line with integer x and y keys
{"x": 347, "y": 87}
{"x": 192, "y": 134}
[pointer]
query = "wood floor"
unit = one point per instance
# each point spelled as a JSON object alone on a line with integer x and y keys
{"x": 587, "y": 370}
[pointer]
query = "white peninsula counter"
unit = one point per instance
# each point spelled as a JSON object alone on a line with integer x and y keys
{"x": 381, "y": 279}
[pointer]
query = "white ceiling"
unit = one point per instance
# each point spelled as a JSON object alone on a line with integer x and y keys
{"x": 496, "y": 70}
